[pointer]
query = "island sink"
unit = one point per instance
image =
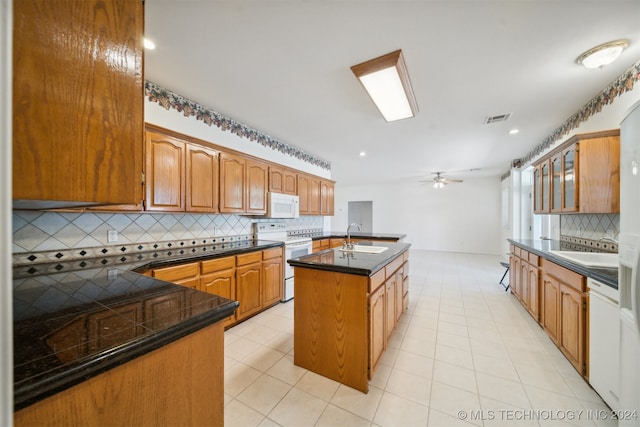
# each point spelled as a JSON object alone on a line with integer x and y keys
{"x": 590, "y": 259}
{"x": 365, "y": 249}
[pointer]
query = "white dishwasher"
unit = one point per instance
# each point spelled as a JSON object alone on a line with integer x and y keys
{"x": 604, "y": 341}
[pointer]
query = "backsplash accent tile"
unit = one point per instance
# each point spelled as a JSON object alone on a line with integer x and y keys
{"x": 60, "y": 236}
{"x": 588, "y": 230}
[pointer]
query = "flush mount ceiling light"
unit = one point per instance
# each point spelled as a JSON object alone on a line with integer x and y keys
{"x": 386, "y": 80}
{"x": 603, "y": 54}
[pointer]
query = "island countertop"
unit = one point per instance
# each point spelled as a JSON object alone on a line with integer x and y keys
{"x": 357, "y": 235}
{"x": 361, "y": 264}
{"x": 75, "y": 319}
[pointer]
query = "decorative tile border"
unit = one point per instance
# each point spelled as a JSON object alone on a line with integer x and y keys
{"x": 170, "y": 100}
{"x": 622, "y": 84}
{"x": 587, "y": 245}
{"x": 128, "y": 253}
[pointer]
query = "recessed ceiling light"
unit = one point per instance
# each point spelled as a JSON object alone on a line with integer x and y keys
{"x": 148, "y": 44}
{"x": 513, "y": 131}
{"x": 603, "y": 54}
{"x": 386, "y": 80}
{"x": 362, "y": 154}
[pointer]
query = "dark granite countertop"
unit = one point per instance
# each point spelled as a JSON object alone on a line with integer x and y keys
{"x": 357, "y": 235}
{"x": 608, "y": 276}
{"x": 76, "y": 319}
{"x": 361, "y": 264}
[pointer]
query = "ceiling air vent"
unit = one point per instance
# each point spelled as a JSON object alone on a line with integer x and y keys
{"x": 498, "y": 118}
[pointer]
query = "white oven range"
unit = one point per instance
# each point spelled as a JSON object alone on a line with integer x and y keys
{"x": 294, "y": 247}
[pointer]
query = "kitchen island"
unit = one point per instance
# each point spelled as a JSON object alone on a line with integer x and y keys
{"x": 347, "y": 305}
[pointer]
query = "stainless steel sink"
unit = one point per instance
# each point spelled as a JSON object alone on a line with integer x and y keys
{"x": 590, "y": 259}
{"x": 366, "y": 249}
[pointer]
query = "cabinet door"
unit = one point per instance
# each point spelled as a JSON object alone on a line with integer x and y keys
{"x": 570, "y": 179}
{"x": 390, "y": 306}
{"x": 272, "y": 281}
{"x": 165, "y": 173}
{"x": 232, "y": 183}
{"x": 303, "y": 193}
{"x": 545, "y": 186}
{"x": 556, "y": 183}
{"x": 221, "y": 283}
{"x": 573, "y": 324}
{"x": 599, "y": 174}
{"x": 202, "y": 179}
{"x": 376, "y": 328}
{"x": 276, "y": 179}
{"x": 78, "y": 102}
{"x": 314, "y": 192}
{"x": 399, "y": 295}
{"x": 551, "y": 307}
{"x": 290, "y": 182}
{"x": 248, "y": 284}
{"x": 327, "y": 198}
{"x": 515, "y": 275}
{"x": 537, "y": 189}
{"x": 256, "y": 188}
{"x": 524, "y": 282}
{"x": 534, "y": 294}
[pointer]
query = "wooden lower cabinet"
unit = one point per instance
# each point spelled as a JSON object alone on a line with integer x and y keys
{"x": 254, "y": 279}
{"x": 219, "y": 278}
{"x": 181, "y": 383}
{"x": 343, "y": 322}
{"x": 377, "y": 333}
{"x": 556, "y": 298}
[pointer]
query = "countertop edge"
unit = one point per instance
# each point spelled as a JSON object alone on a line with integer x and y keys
{"x": 68, "y": 377}
{"x": 577, "y": 268}
{"x": 375, "y": 236}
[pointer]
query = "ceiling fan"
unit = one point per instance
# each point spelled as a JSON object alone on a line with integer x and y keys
{"x": 440, "y": 181}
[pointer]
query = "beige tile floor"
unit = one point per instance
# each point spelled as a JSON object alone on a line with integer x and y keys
{"x": 464, "y": 348}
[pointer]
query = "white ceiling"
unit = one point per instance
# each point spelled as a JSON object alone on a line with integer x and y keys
{"x": 283, "y": 67}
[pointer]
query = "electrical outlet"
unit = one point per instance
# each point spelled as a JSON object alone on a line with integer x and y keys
{"x": 609, "y": 234}
{"x": 217, "y": 231}
{"x": 112, "y": 274}
{"x": 578, "y": 232}
{"x": 112, "y": 236}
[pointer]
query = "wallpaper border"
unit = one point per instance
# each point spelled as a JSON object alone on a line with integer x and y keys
{"x": 170, "y": 100}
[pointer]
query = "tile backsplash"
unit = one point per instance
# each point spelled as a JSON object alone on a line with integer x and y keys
{"x": 588, "y": 230}
{"x": 37, "y": 231}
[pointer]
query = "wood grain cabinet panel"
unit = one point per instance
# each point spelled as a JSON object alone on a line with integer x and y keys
{"x": 256, "y": 187}
{"x": 165, "y": 184}
{"x": 309, "y": 192}
{"x": 248, "y": 289}
{"x": 376, "y": 327}
{"x": 551, "y": 307}
{"x": 77, "y": 102}
{"x": 327, "y": 197}
{"x": 272, "y": 280}
{"x": 573, "y": 318}
{"x": 219, "y": 277}
{"x": 232, "y": 183}
{"x": 202, "y": 179}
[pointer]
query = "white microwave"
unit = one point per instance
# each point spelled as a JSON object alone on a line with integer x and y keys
{"x": 283, "y": 206}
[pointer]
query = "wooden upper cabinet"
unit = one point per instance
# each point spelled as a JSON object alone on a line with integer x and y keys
{"x": 77, "y": 102}
{"x": 232, "y": 183}
{"x": 256, "y": 187}
{"x": 165, "y": 183}
{"x": 327, "y": 198}
{"x": 282, "y": 180}
{"x": 581, "y": 175}
{"x": 202, "y": 179}
{"x": 309, "y": 190}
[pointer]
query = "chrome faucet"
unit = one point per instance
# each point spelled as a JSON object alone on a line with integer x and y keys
{"x": 349, "y": 245}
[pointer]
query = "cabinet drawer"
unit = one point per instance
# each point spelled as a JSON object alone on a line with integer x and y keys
{"x": 249, "y": 258}
{"x": 217, "y": 264}
{"x": 376, "y": 280}
{"x": 177, "y": 272}
{"x": 534, "y": 259}
{"x": 517, "y": 252}
{"x": 405, "y": 256}
{"x": 393, "y": 266}
{"x": 564, "y": 275}
{"x": 272, "y": 253}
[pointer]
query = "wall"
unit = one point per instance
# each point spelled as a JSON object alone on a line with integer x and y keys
{"x": 461, "y": 217}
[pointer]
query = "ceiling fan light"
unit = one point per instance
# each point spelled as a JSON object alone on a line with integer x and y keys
{"x": 603, "y": 54}
{"x": 386, "y": 80}
{"x": 438, "y": 184}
